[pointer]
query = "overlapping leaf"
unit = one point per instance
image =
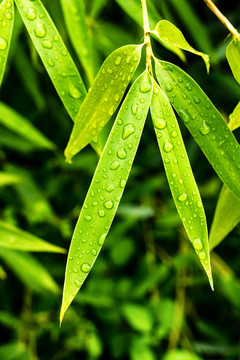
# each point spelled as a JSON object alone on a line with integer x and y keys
{"x": 234, "y": 122}
{"x": 204, "y": 121}
{"x": 107, "y": 187}
{"x": 169, "y": 33}
{"x": 104, "y": 96}
{"x": 180, "y": 177}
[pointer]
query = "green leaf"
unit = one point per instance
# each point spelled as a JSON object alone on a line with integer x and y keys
{"x": 6, "y": 13}
{"x": 180, "y": 177}
{"x": 138, "y": 316}
{"x": 75, "y": 18}
{"x": 9, "y": 179}
{"x": 134, "y": 10}
{"x": 54, "y": 54}
{"x": 169, "y": 33}
{"x": 107, "y": 187}
{"x": 233, "y": 58}
{"x": 204, "y": 122}
{"x": 234, "y": 122}
{"x": 17, "y": 239}
{"x": 197, "y": 29}
{"x": 29, "y": 270}
{"x": 23, "y": 127}
{"x": 104, "y": 96}
{"x": 226, "y": 217}
{"x": 180, "y": 354}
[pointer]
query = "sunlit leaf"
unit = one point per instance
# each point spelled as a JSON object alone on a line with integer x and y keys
{"x": 8, "y": 179}
{"x": 104, "y": 96}
{"x": 23, "y": 127}
{"x": 233, "y": 58}
{"x": 29, "y": 270}
{"x": 204, "y": 121}
{"x": 180, "y": 177}
{"x": 169, "y": 33}
{"x": 107, "y": 187}
{"x": 6, "y": 13}
{"x": 234, "y": 122}
{"x": 14, "y": 238}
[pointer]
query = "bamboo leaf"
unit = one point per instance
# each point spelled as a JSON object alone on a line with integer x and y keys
{"x": 134, "y": 10}
{"x": 180, "y": 177}
{"x": 21, "y": 126}
{"x": 233, "y": 58}
{"x": 54, "y": 54}
{"x": 234, "y": 122}
{"x": 107, "y": 187}
{"x": 226, "y": 217}
{"x": 104, "y": 97}
{"x": 204, "y": 122}
{"x": 74, "y": 15}
{"x": 29, "y": 270}
{"x": 169, "y": 33}
{"x": 14, "y": 238}
{"x": 6, "y": 13}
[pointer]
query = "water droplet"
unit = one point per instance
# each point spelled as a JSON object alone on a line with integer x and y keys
{"x": 115, "y": 164}
{"x": 197, "y": 243}
{"x": 184, "y": 115}
{"x": 159, "y": 123}
{"x": 56, "y": 38}
{"x": 134, "y": 109}
{"x": 3, "y": 44}
{"x": 168, "y": 88}
{"x": 199, "y": 204}
{"x": 146, "y": 85}
{"x": 117, "y": 98}
{"x": 180, "y": 181}
{"x": 40, "y": 30}
{"x": 108, "y": 204}
{"x": 101, "y": 213}
{"x": 102, "y": 239}
{"x": 74, "y": 92}
{"x": 118, "y": 60}
{"x": 167, "y": 147}
{"x": 204, "y": 129}
{"x": 94, "y": 252}
{"x": 8, "y": 16}
{"x": 75, "y": 270}
{"x": 47, "y": 44}
{"x": 128, "y": 130}
{"x": 188, "y": 87}
{"x": 196, "y": 100}
{"x": 122, "y": 153}
{"x": 31, "y": 14}
{"x": 78, "y": 283}
{"x": 51, "y": 62}
{"x": 174, "y": 134}
{"x": 182, "y": 197}
{"x": 122, "y": 183}
{"x": 88, "y": 218}
{"x": 128, "y": 59}
{"x": 110, "y": 188}
{"x": 202, "y": 255}
{"x": 86, "y": 267}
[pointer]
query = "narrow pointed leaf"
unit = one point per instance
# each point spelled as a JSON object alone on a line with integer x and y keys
{"x": 180, "y": 177}
{"x": 23, "y": 127}
{"x": 134, "y": 10}
{"x": 104, "y": 97}
{"x": 29, "y": 270}
{"x": 75, "y": 18}
{"x": 6, "y": 13}
{"x": 107, "y": 187}
{"x": 204, "y": 122}
{"x": 14, "y": 238}
{"x": 169, "y": 33}
{"x": 234, "y": 122}
{"x": 233, "y": 58}
{"x": 226, "y": 217}
{"x": 54, "y": 54}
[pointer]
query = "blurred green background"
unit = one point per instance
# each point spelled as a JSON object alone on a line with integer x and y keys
{"x": 147, "y": 296}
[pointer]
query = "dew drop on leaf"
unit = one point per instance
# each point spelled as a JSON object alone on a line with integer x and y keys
{"x": 40, "y": 30}
{"x": 3, "y": 44}
{"x": 86, "y": 267}
{"x": 128, "y": 130}
{"x": 197, "y": 243}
